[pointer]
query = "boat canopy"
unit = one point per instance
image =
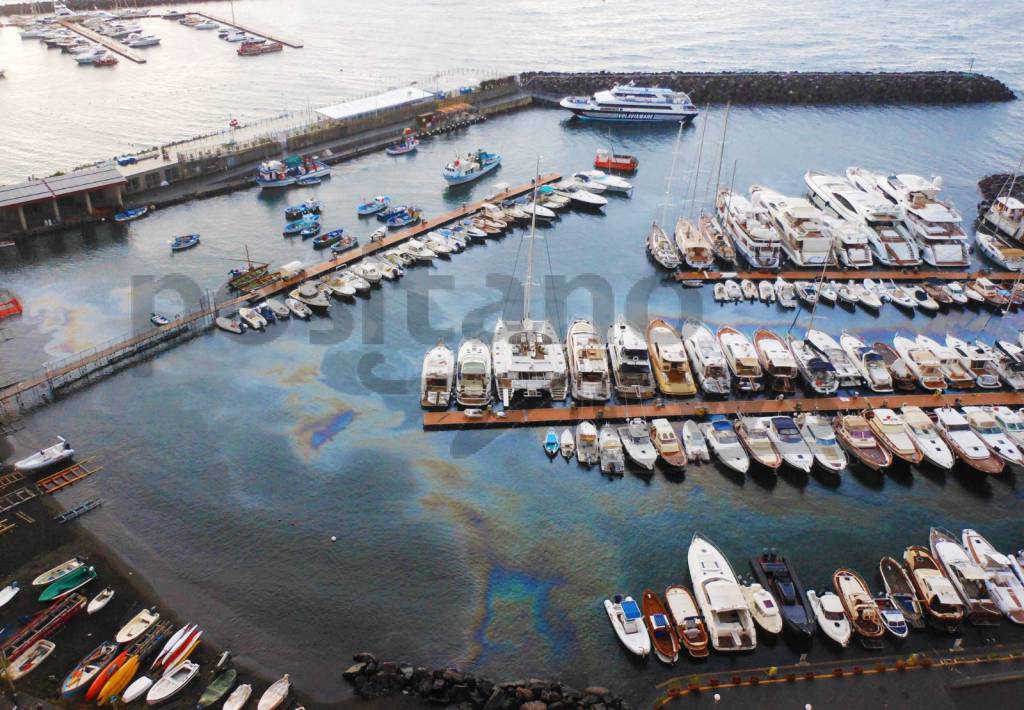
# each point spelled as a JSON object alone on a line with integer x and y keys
{"x": 941, "y": 589}
{"x": 631, "y": 610}
{"x": 724, "y": 595}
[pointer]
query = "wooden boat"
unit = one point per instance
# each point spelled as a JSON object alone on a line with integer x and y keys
{"x": 902, "y": 377}
{"x": 82, "y": 675}
{"x": 45, "y": 458}
{"x": 1004, "y": 587}
{"x": 100, "y": 601}
{"x": 628, "y": 622}
{"x": 859, "y": 605}
{"x": 68, "y": 584}
{"x": 659, "y": 628}
{"x": 137, "y": 626}
{"x": 901, "y": 590}
{"x": 721, "y": 243}
{"x": 754, "y": 437}
{"x": 688, "y": 624}
{"x": 238, "y": 698}
{"x": 942, "y": 604}
{"x": 831, "y": 617}
{"x": 891, "y": 615}
{"x": 218, "y": 688}
{"x": 776, "y": 574}
{"x": 776, "y": 360}
{"x": 52, "y": 575}
{"x": 854, "y": 434}
{"x": 275, "y": 694}
{"x": 991, "y": 294}
{"x": 29, "y": 660}
{"x": 966, "y": 577}
{"x": 697, "y": 251}
{"x": 940, "y": 295}
{"x": 961, "y": 439}
{"x": 172, "y": 683}
{"x": 666, "y": 441}
{"x": 668, "y": 360}
{"x": 890, "y": 429}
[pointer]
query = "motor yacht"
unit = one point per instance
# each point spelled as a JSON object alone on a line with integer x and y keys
{"x": 799, "y": 225}
{"x": 630, "y": 362}
{"x": 590, "y": 378}
{"x": 751, "y": 228}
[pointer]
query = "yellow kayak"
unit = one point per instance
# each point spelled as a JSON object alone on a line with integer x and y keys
{"x": 119, "y": 681}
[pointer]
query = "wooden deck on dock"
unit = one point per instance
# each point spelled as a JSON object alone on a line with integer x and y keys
{"x": 112, "y": 44}
{"x": 286, "y": 42}
{"x": 847, "y": 274}
{"x": 417, "y": 230}
{"x": 550, "y": 416}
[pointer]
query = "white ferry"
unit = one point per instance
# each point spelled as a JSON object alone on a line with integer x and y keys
{"x": 629, "y": 102}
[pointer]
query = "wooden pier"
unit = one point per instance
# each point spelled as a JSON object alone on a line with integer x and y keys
{"x": 562, "y": 416}
{"x": 111, "y": 44}
{"x": 417, "y": 230}
{"x": 249, "y": 30}
{"x": 846, "y": 275}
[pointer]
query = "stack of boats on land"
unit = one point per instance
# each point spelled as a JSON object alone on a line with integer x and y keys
{"x": 147, "y": 659}
{"x": 952, "y": 582}
{"x": 854, "y": 221}
{"x": 930, "y": 296}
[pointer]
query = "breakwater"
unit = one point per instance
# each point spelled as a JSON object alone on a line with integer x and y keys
{"x": 373, "y": 678}
{"x": 46, "y": 8}
{"x": 993, "y": 186}
{"x": 793, "y": 88}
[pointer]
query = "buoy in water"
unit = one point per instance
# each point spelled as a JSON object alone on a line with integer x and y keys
{"x": 334, "y": 538}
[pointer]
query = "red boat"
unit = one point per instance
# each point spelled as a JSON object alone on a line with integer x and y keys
{"x": 607, "y": 160}
{"x": 249, "y": 49}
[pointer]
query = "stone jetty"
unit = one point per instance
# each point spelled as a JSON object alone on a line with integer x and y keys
{"x": 792, "y": 88}
{"x": 450, "y": 687}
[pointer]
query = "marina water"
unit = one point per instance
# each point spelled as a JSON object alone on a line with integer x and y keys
{"x": 230, "y": 462}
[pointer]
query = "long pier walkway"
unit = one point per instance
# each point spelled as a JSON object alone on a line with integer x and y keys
{"x": 111, "y": 44}
{"x": 265, "y": 35}
{"x": 846, "y": 275}
{"x": 80, "y": 366}
{"x": 550, "y": 416}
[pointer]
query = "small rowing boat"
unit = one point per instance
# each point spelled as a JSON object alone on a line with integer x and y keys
{"x": 275, "y": 694}
{"x": 100, "y": 601}
{"x": 172, "y": 683}
{"x": 659, "y": 628}
{"x": 184, "y": 242}
{"x": 131, "y": 214}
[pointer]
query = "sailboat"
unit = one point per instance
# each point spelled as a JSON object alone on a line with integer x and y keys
{"x": 527, "y": 354}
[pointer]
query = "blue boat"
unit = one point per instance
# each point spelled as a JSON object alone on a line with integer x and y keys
{"x": 408, "y": 216}
{"x": 313, "y": 206}
{"x": 386, "y": 214}
{"x": 551, "y": 443}
{"x": 377, "y": 204}
{"x": 469, "y": 167}
{"x": 408, "y": 144}
{"x": 310, "y": 231}
{"x": 308, "y": 180}
{"x": 278, "y": 173}
{"x": 184, "y": 242}
{"x": 296, "y": 227}
{"x": 344, "y": 244}
{"x": 327, "y": 239}
{"x": 130, "y": 214}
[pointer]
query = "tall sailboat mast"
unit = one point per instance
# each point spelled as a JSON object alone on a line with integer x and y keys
{"x": 528, "y": 283}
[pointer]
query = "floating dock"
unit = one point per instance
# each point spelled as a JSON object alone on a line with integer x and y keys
{"x": 402, "y": 235}
{"x": 249, "y": 30}
{"x": 846, "y": 275}
{"x": 562, "y": 416}
{"x": 111, "y": 44}
{"x": 68, "y": 476}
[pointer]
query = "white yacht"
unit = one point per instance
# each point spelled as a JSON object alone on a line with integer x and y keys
{"x": 868, "y": 361}
{"x": 968, "y": 579}
{"x": 934, "y": 224}
{"x": 473, "y": 374}
{"x": 697, "y": 251}
{"x": 817, "y": 372}
{"x": 707, "y": 358}
{"x": 978, "y": 359}
{"x": 631, "y": 363}
{"x": 889, "y": 238}
{"x": 847, "y": 373}
{"x": 1004, "y": 588}
{"x": 436, "y": 377}
{"x": 922, "y": 430}
{"x": 957, "y": 376}
{"x": 850, "y": 242}
{"x": 629, "y": 102}
{"x": 820, "y": 437}
{"x": 721, "y": 437}
{"x": 590, "y": 379}
{"x": 784, "y": 435}
{"x": 661, "y": 248}
{"x": 527, "y": 355}
{"x": 1010, "y": 361}
{"x": 611, "y": 183}
{"x": 1000, "y": 251}
{"x": 1010, "y": 422}
{"x": 636, "y": 440}
{"x": 799, "y": 224}
{"x": 721, "y": 601}
{"x": 1006, "y": 217}
{"x": 613, "y": 460}
{"x": 984, "y": 424}
{"x": 741, "y": 358}
{"x": 751, "y": 229}
{"x": 922, "y": 363}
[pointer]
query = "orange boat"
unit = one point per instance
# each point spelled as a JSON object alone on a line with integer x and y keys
{"x": 689, "y": 625}
{"x": 859, "y": 605}
{"x": 607, "y": 160}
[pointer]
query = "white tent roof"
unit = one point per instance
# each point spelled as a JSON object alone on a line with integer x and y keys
{"x": 372, "y": 104}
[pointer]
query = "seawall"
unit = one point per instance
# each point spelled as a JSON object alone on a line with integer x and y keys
{"x": 45, "y": 8}
{"x": 868, "y": 88}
